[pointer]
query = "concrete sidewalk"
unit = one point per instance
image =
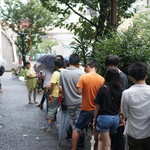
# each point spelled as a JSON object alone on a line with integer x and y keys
{"x": 20, "y": 122}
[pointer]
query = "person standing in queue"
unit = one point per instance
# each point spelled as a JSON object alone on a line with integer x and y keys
{"x": 108, "y": 101}
{"x": 88, "y": 86}
{"x": 117, "y": 139}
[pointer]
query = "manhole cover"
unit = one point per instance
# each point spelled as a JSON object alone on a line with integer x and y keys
{"x": 1, "y": 126}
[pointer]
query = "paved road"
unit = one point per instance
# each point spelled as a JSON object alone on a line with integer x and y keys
{"x": 20, "y": 121}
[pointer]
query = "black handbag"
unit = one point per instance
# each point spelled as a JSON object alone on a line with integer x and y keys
{"x": 2, "y": 70}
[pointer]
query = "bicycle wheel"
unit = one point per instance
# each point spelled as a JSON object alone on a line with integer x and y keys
{"x": 14, "y": 75}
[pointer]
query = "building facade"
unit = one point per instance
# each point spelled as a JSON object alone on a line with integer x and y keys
{"x": 8, "y": 48}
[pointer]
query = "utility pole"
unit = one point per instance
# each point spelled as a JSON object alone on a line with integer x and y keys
{"x": 113, "y": 13}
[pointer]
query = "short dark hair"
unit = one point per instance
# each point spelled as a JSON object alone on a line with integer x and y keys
{"x": 92, "y": 64}
{"x": 59, "y": 63}
{"x": 138, "y": 71}
{"x": 27, "y": 63}
{"x": 61, "y": 57}
{"x": 112, "y": 78}
{"x": 74, "y": 59}
{"x": 112, "y": 59}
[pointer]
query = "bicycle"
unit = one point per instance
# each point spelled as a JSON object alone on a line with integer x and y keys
{"x": 16, "y": 72}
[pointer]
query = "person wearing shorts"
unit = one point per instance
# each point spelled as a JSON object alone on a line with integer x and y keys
{"x": 106, "y": 115}
{"x": 53, "y": 102}
{"x": 88, "y": 86}
{"x": 68, "y": 81}
{"x": 117, "y": 139}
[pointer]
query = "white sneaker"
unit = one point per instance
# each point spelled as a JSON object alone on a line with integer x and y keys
{"x": 47, "y": 129}
{"x": 30, "y": 102}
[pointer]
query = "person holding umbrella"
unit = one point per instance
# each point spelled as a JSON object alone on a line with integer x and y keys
{"x": 48, "y": 66}
{"x": 53, "y": 101}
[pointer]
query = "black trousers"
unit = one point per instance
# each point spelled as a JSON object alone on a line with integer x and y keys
{"x": 43, "y": 99}
{"x": 138, "y": 144}
{"x": 118, "y": 140}
{"x": 45, "y": 95}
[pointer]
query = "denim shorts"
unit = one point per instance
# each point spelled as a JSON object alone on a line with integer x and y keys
{"x": 107, "y": 123}
{"x": 84, "y": 118}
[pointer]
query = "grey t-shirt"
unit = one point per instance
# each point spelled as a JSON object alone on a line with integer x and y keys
{"x": 123, "y": 80}
{"x": 68, "y": 80}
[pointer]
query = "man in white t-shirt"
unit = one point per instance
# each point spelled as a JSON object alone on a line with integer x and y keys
{"x": 135, "y": 105}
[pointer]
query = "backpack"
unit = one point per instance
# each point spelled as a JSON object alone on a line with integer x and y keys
{"x": 2, "y": 70}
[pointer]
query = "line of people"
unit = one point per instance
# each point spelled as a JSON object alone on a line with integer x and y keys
{"x": 106, "y": 101}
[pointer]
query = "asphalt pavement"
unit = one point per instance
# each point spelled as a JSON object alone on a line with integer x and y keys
{"x": 20, "y": 122}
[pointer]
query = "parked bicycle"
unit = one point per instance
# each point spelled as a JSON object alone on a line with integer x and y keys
{"x": 16, "y": 72}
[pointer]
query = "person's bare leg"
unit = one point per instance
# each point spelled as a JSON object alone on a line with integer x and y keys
{"x": 105, "y": 139}
{"x": 49, "y": 121}
{"x": 75, "y": 138}
{"x": 96, "y": 134}
{"x": 34, "y": 95}
{"x": 100, "y": 143}
{"x": 29, "y": 95}
{"x": 1, "y": 87}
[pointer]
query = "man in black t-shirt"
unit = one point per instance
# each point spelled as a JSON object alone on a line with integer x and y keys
{"x": 117, "y": 140}
{"x": 112, "y": 60}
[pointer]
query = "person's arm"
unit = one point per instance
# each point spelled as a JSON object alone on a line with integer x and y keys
{"x": 53, "y": 81}
{"x": 61, "y": 83}
{"x": 42, "y": 77}
{"x": 51, "y": 91}
{"x": 124, "y": 105}
{"x": 97, "y": 101}
{"x": 95, "y": 114}
{"x": 31, "y": 77}
{"x": 30, "y": 74}
{"x": 80, "y": 85}
{"x": 79, "y": 91}
{"x": 96, "y": 111}
{"x": 43, "y": 74}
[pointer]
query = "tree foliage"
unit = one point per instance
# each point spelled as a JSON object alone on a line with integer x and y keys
{"x": 39, "y": 19}
{"x": 131, "y": 45}
{"x": 94, "y": 20}
{"x": 94, "y": 16}
{"x": 45, "y": 46}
